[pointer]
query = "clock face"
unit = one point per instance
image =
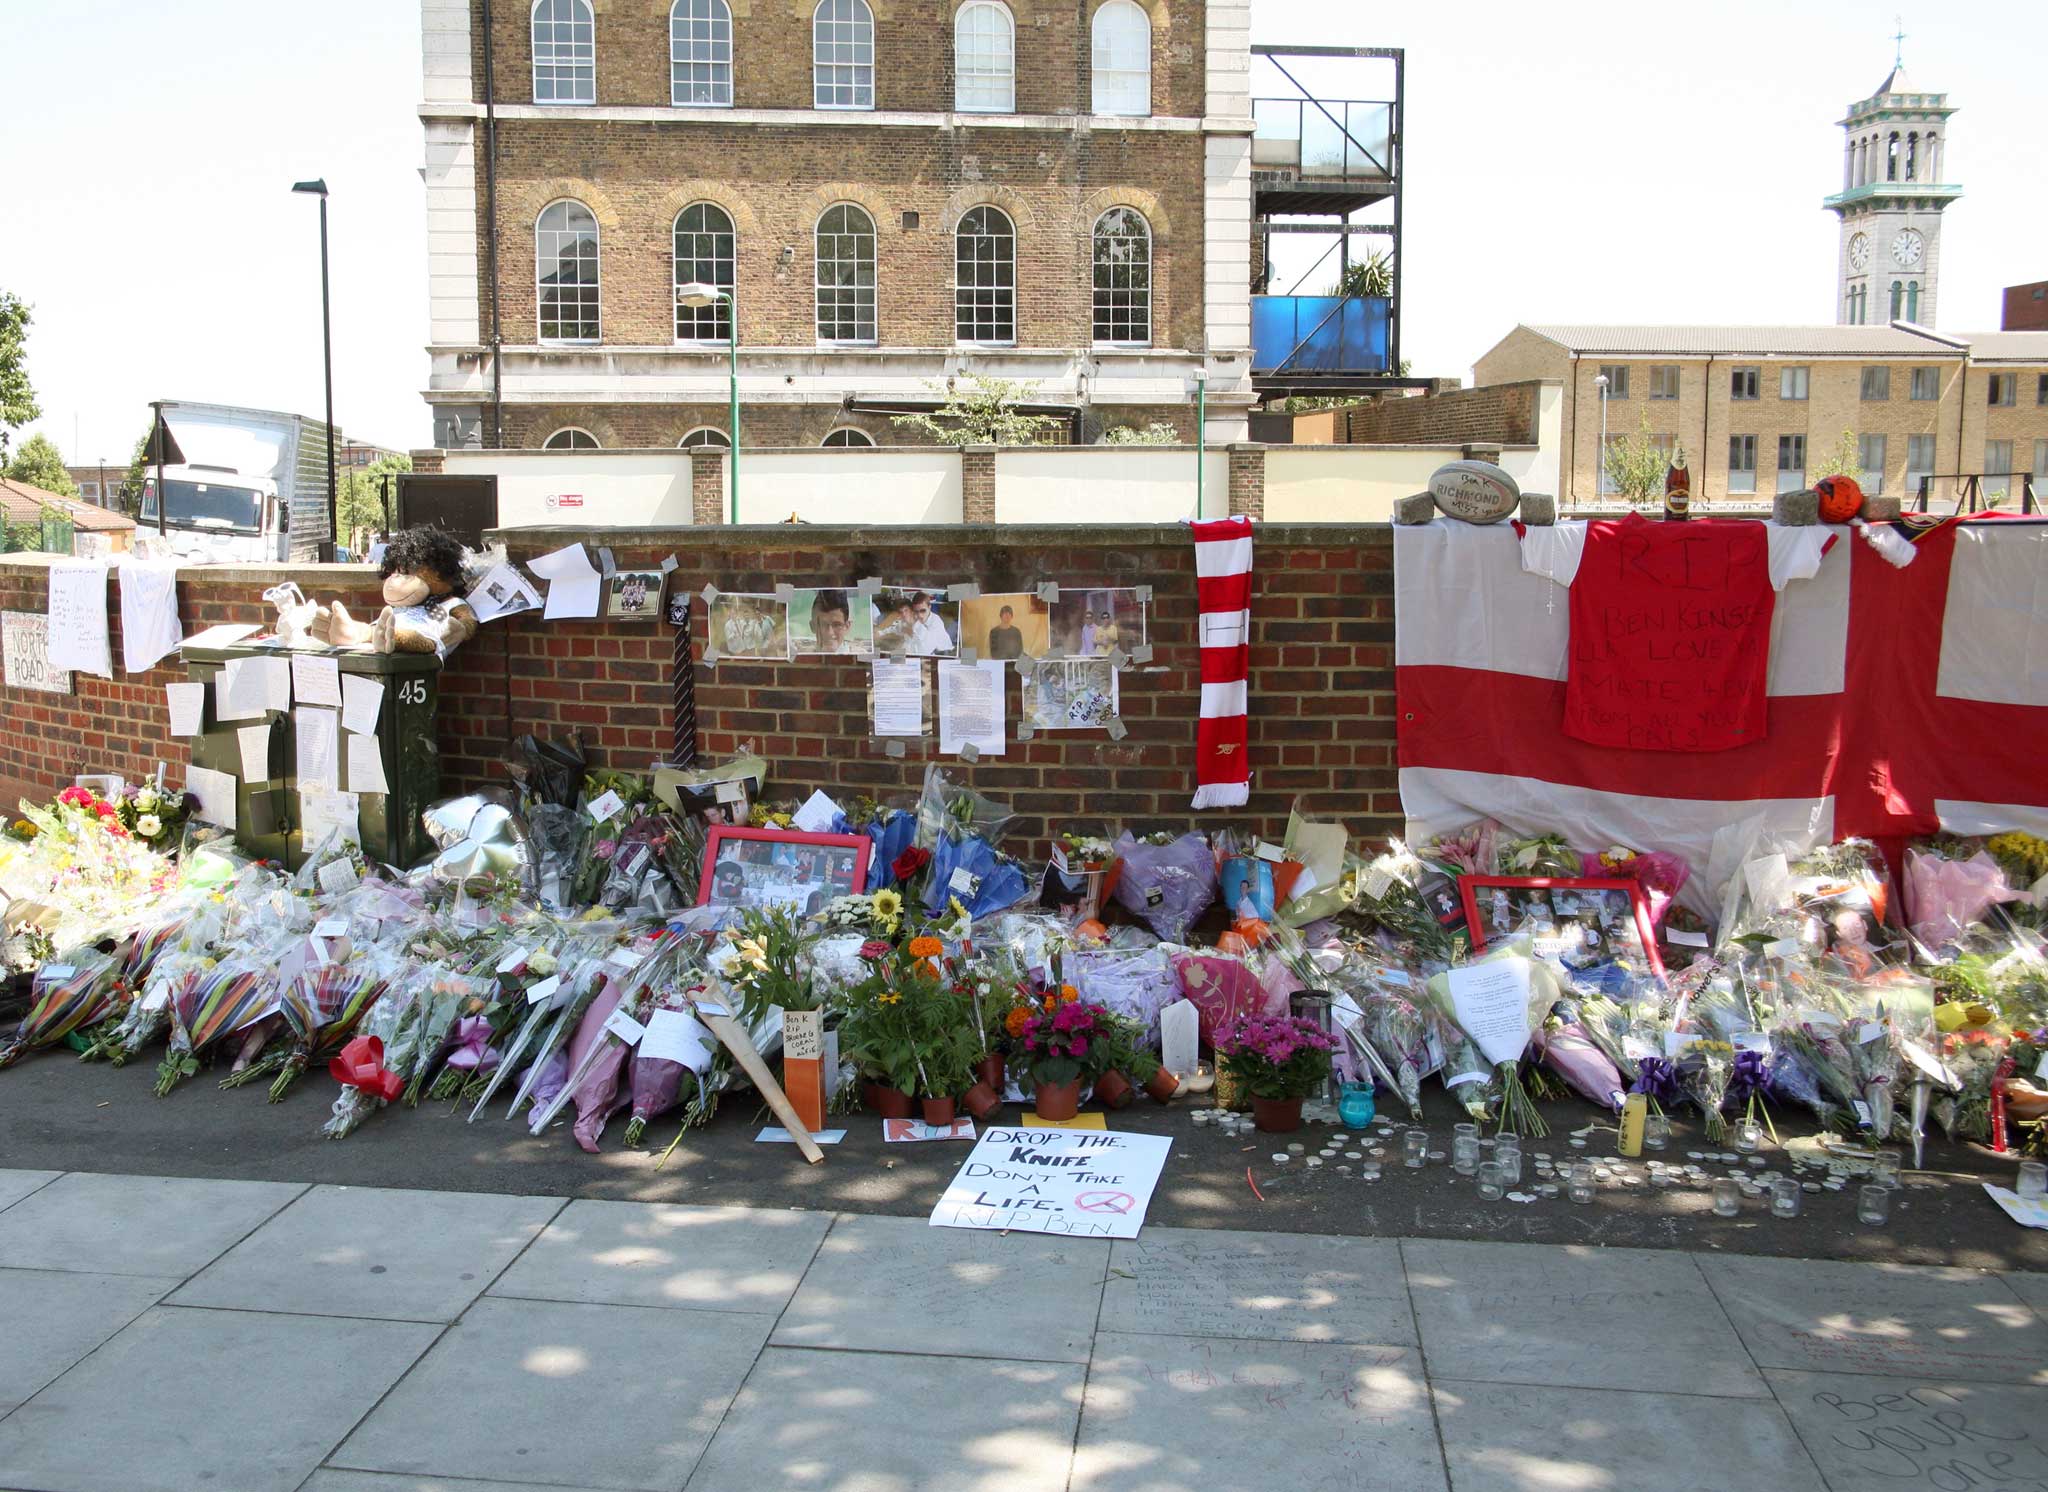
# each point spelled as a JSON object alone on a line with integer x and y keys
{"x": 1907, "y": 248}
{"x": 1859, "y": 251}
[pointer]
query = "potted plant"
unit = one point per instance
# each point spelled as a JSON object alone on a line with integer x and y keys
{"x": 1061, "y": 1049}
{"x": 1280, "y": 1060}
{"x": 1129, "y": 1060}
{"x": 880, "y": 1031}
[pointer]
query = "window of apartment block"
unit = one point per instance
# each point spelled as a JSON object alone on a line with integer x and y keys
{"x": 1616, "y": 375}
{"x": 2041, "y": 388}
{"x": 984, "y": 59}
{"x": 1742, "y": 382}
{"x": 565, "y": 260}
{"x": 704, "y": 435}
{"x": 1120, "y": 53}
{"x": 2040, "y": 464}
{"x": 564, "y": 52}
{"x": 569, "y": 438}
{"x": 846, "y": 274}
{"x": 700, "y": 54}
{"x": 1742, "y": 463}
{"x": 985, "y": 278}
{"x": 843, "y": 55}
{"x": 1792, "y": 383}
{"x": 1666, "y": 446}
{"x": 704, "y": 246}
{"x": 1877, "y": 384}
{"x": 1791, "y": 462}
{"x": 2004, "y": 389}
{"x": 1663, "y": 380}
{"x": 1608, "y": 486}
{"x": 1870, "y": 458}
{"x": 1123, "y": 278}
{"x": 1926, "y": 384}
{"x": 1919, "y": 461}
{"x": 1997, "y": 458}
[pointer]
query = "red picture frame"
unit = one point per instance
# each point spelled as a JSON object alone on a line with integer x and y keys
{"x": 1476, "y": 925}
{"x": 756, "y": 878}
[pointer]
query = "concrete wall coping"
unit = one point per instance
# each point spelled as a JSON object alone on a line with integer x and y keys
{"x": 309, "y": 575}
{"x": 983, "y": 536}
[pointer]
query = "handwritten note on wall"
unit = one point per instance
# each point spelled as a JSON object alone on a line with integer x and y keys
{"x": 78, "y": 617}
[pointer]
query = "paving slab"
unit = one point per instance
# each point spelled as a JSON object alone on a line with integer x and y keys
{"x": 188, "y": 1398}
{"x": 1596, "y": 1318}
{"x": 148, "y": 1225}
{"x": 1287, "y": 1287}
{"x": 2032, "y": 1288}
{"x": 637, "y": 1253}
{"x": 879, "y": 1422}
{"x": 1510, "y": 1437}
{"x": 14, "y": 1185}
{"x": 1915, "y": 1432}
{"x": 1206, "y": 1414}
{"x": 369, "y": 1251}
{"x": 330, "y": 1480}
{"x": 1893, "y": 1319}
{"x": 49, "y": 1319}
{"x": 565, "y": 1394}
{"x": 897, "y": 1284}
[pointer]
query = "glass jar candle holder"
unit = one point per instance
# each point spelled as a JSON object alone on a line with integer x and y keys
{"x": 1727, "y": 1197}
{"x": 2033, "y": 1180}
{"x": 1581, "y": 1186}
{"x": 1749, "y": 1137}
{"x": 1785, "y": 1197}
{"x": 1873, "y": 1205}
{"x": 1355, "y": 1105}
{"x": 1464, "y": 1153}
{"x": 1492, "y": 1186}
{"x": 1507, "y": 1154}
{"x": 1886, "y": 1170}
{"x": 1415, "y": 1149}
{"x": 1656, "y": 1131}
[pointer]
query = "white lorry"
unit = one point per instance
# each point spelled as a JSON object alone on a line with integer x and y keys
{"x": 251, "y": 486}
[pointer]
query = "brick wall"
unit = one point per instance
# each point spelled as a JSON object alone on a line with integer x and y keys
{"x": 1322, "y": 723}
{"x": 1501, "y": 414}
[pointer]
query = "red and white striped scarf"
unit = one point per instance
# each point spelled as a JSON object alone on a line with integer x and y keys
{"x": 1223, "y": 586}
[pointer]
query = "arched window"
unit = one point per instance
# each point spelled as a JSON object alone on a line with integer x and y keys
{"x": 704, "y": 435}
{"x": 564, "y": 52}
{"x": 985, "y": 278}
{"x": 700, "y": 54}
{"x": 704, "y": 255}
{"x": 565, "y": 262}
{"x": 1912, "y": 300}
{"x": 984, "y": 59}
{"x": 1933, "y": 157}
{"x": 843, "y": 55}
{"x": 1891, "y": 157}
{"x": 1123, "y": 278}
{"x": 848, "y": 436}
{"x": 1898, "y": 299}
{"x": 1121, "y": 46}
{"x": 1912, "y": 155}
{"x": 846, "y": 274}
{"x": 570, "y": 438}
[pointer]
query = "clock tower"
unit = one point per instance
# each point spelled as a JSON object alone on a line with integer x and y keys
{"x": 1894, "y": 187}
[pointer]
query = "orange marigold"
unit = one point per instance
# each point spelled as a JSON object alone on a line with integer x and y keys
{"x": 1068, "y": 994}
{"x": 1016, "y": 1020}
{"x": 926, "y": 948}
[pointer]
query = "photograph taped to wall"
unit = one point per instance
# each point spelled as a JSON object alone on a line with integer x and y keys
{"x": 748, "y": 626}
{"x": 831, "y": 622}
{"x": 1076, "y": 694}
{"x": 767, "y": 868}
{"x": 634, "y": 595}
{"x": 916, "y": 622}
{"x": 1585, "y": 922}
{"x": 1006, "y": 627}
{"x": 1095, "y": 623}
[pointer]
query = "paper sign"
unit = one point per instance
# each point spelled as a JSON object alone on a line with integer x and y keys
{"x": 818, "y": 813}
{"x": 188, "y": 708}
{"x": 896, "y": 697}
{"x": 25, "y": 638}
{"x": 1492, "y": 1004}
{"x": 224, "y": 635}
{"x": 502, "y": 592}
{"x": 573, "y": 582}
{"x": 1683, "y": 938}
{"x": 1675, "y": 1042}
{"x": 156, "y": 999}
{"x": 625, "y": 1027}
{"x": 964, "y": 882}
{"x": 78, "y": 617}
{"x": 361, "y": 701}
{"x": 321, "y": 812}
{"x": 1752, "y": 1041}
{"x": 904, "y": 1131}
{"x": 803, "y": 1036}
{"x": 238, "y": 691}
{"x": 1635, "y": 1048}
{"x": 316, "y": 681}
{"x": 711, "y": 1007}
{"x": 625, "y": 960}
{"x": 366, "y": 765}
{"x": 678, "y": 1036}
{"x": 513, "y": 960}
{"x": 337, "y": 876}
{"x": 216, "y": 794}
{"x": 255, "y": 744}
{"x": 775, "y": 1134}
{"x": 610, "y": 806}
{"x": 2031, "y": 1212}
{"x": 1769, "y": 879}
{"x": 543, "y": 990}
{"x": 149, "y": 613}
{"x": 971, "y": 702}
{"x": 55, "y": 972}
{"x": 1074, "y": 1182}
{"x": 331, "y": 927}
{"x": 319, "y": 739}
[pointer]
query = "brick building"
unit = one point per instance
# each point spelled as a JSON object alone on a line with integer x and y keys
{"x": 2025, "y": 308}
{"x": 894, "y": 193}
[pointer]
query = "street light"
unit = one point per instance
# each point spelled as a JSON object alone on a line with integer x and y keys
{"x": 697, "y": 295}
{"x": 1201, "y": 433}
{"x": 1600, "y": 476}
{"x": 319, "y": 189}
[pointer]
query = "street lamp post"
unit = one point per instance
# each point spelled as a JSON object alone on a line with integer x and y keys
{"x": 1201, "y": 433}
{"x": 697, "y": 295}
{"x": 1600, "y": 472}
{"x": 319, "y": 189}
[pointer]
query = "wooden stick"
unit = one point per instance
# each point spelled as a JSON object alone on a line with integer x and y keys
{"x": 736, "y": 1040}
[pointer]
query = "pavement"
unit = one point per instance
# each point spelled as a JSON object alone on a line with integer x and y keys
{"x": 167, "y": 1333}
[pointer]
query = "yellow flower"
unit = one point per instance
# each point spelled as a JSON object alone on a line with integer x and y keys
{"x": 888, "y": 997}
{"x": 959, "y": 912}
{"x": 888, "y": 906}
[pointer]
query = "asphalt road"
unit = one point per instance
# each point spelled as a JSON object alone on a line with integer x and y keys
{"x": 59, "y": 1114}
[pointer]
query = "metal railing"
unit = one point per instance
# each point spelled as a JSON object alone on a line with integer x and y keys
{"x": 1972, "y": 496}
{"x": 1325, "y": 139}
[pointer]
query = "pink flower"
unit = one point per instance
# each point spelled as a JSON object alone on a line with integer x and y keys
{"x": 606, "y": 848}
{"x": 874, "y": 948}
{"x": 1077, "y": 1047}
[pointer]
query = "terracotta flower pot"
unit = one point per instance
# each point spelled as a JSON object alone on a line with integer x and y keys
{"x": 1162, "y": 1085}
{"x": 1276, "y": 1116}
{"x": 990, "y": 1070}
{"x": 885, "y": 1102}
{"x": 1057, "y": 1100}
{"x": 981, "y": 1100}
{"x": 938, "y": 1111}
{"x": 1114, "y": 1089}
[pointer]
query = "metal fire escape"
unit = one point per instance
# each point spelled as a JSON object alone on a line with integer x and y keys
{"x": 1318, "y": 163}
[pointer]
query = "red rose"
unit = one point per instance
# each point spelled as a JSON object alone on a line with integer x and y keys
{"x": 909, "y": 863}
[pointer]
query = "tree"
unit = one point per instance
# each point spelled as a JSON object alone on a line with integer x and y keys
{"x": 1844, "y": 461}
{"x": 17, "y": 399}
{"x": 359, "y": 497}
{"x": 40, "y": 464}
{"x": 984, "y": 413}
{"x": 1158, "y": 433}
{"x": 1636, "y": 465}
{"x": 131, "y": 485}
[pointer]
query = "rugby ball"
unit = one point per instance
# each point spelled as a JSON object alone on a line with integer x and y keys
{"x": 1475, "y": 491}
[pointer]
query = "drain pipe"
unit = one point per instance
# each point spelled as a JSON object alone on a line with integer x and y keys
{"x": 491, "y": 229}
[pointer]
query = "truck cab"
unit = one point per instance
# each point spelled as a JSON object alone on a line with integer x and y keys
{"x": 217, "y": 516}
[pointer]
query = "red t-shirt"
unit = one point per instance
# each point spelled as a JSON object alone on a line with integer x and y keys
{"x": 1670, "y": 624}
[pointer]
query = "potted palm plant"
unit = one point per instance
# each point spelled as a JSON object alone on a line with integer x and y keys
{"x": 1279, "y": 1060}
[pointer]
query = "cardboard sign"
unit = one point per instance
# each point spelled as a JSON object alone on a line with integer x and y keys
{"x": 25, "y": 639}
{"x": 1080, "y": 1183}
{"x": 908, "y": 1131}
{"x": 803, "y": 1052}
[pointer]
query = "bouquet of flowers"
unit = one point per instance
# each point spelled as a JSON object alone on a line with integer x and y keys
{"x": 1223, "y": 990}
{"x": 1810, "y": 1065}
{"x": 213, "y": 1006}
{"x": 1169, "y": 885}
{"x": 68, "y": 996}
{"x": 1471, "y": 851}
{"x": 154, "y": 815}
{"x": 1276, "y": 1057}
{"x": 1538, "y": 855}
{"x": 658, "y": 1083}
{"x": 321, "y": 1008}
{"x": 1661, "y": 876}
{"x": 1950, "y": 885}
{"x": 368, "y": 1080}
{"x": 1579, "y": 1060}
{"x": 1705, "y": 1067}
{"x": 1388, "y": 898}
{"x": 1497, "y": 1001}
{"x": 1389, "y": 1022}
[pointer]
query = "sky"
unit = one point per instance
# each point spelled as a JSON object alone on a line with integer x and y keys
{"x": 1591, "y": 162}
